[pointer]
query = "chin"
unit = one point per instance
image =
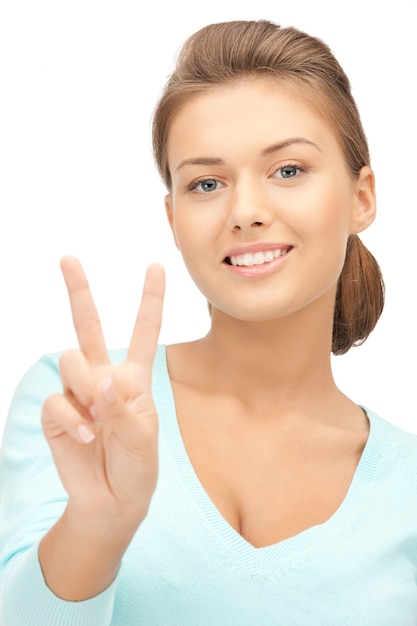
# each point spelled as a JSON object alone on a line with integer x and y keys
{"x": 253, "y": 314}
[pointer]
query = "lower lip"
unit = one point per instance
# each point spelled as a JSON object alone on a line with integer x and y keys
{"x": 254, "y": 271}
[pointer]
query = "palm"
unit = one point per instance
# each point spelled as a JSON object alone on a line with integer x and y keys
{"x": 119, "y": 467}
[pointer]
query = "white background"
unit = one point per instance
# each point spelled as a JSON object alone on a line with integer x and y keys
{"x": 78, "y": 82}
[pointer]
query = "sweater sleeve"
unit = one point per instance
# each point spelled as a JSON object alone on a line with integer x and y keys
{"x": 32, "y": 498}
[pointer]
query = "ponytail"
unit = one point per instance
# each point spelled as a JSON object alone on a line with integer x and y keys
{"x": 359, "y": 297}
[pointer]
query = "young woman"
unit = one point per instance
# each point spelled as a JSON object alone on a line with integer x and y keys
{"x": 226, "y": 480}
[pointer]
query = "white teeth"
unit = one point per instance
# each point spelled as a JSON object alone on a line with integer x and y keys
{"x": 259, "y": 258}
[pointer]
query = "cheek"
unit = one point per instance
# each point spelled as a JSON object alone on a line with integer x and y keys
{"x": 325, "y": 234}
{"x": 196, "y": 228}
{"x": 328, "y": 215}
{"x": 197, "y": 241}
{"x": 191, "y": 240}
{"x": 186, "y": 235}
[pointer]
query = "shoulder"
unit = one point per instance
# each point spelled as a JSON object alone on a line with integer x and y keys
{"x": 41, "y": 379}
{"x": 400, "y": 444}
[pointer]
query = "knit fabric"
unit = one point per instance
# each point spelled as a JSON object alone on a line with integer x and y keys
{"x": 186, "y": 566}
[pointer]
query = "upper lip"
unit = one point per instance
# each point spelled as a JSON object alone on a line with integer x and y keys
{"x": 256, "y": 247}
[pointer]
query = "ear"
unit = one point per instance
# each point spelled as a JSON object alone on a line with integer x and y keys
{"x": 364, "y": 206}
{"x": 170, "y": 215}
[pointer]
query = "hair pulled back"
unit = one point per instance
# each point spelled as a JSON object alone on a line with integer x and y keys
{"x": 230, "y": 52}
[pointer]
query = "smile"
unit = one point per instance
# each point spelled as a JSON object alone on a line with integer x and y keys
{"x": 257, "y": 258}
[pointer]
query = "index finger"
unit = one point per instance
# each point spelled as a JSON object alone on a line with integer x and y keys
{"x": 148, "y": 323}
{"x": 84, "y": 313}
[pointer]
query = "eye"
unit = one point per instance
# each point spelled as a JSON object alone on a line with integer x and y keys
{"x": 205, "y": 185}
{"x": 288, "y": 171}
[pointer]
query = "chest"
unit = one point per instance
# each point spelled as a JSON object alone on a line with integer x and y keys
{"x": 269, "y": 481}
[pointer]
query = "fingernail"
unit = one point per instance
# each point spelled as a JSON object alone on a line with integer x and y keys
{"x": 85, "y": 433}
{"x": 109, "y": 392}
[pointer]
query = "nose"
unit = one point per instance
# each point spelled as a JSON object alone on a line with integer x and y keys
{"x": 249, "y": 207}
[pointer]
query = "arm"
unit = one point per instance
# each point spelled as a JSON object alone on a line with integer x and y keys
{"x": 32, "y": 498}
{"x": 109, "y": 476}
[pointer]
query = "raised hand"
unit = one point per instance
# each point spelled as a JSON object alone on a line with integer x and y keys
{"x": 102, "y": 430}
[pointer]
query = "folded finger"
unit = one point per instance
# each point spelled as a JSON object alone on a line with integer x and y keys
{"x": 135, "y": 426}
{"x": 77, "y": 377}
{"x": 60, "y": 417}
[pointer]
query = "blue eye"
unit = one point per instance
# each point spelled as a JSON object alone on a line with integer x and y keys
{"x": 288, "y": 171}
{"x": 208, "y": 185}
{"x": 205, "y": 185}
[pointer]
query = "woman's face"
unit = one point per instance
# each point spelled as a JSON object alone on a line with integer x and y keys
{"x": 262, "y": 203}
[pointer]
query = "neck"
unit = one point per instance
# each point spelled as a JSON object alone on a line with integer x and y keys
{"x": 285, "y": 360}
{"x": 276, "y": 368}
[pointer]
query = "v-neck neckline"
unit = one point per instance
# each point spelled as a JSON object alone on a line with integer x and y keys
{"x": 261, "y": 559}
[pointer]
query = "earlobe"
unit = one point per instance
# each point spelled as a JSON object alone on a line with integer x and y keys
{"x": 364, "y": 209}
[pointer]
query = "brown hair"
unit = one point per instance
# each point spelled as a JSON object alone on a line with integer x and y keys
{"x": 229, "y": 52}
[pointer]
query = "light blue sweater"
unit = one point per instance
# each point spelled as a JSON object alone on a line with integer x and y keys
{"x": 186, "y": 566}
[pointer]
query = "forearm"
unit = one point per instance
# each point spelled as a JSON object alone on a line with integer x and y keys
{"x": 27, "y": 601}
{"x": 80, "y": 559}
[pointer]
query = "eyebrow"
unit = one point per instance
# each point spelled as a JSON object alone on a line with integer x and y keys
{"x": 200, "y": 161}
{"x": 288, "y": 142}
{"x": 276, "y": 147}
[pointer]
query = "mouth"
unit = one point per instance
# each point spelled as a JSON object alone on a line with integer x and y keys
{"x": 257, "y": 258}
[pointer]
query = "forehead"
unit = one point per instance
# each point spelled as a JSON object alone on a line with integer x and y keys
{"x": 245, "y": 114}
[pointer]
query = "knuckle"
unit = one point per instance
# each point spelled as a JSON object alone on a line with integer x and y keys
{"x": 67, "y": 359}
{"x": 51, "y": 407}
